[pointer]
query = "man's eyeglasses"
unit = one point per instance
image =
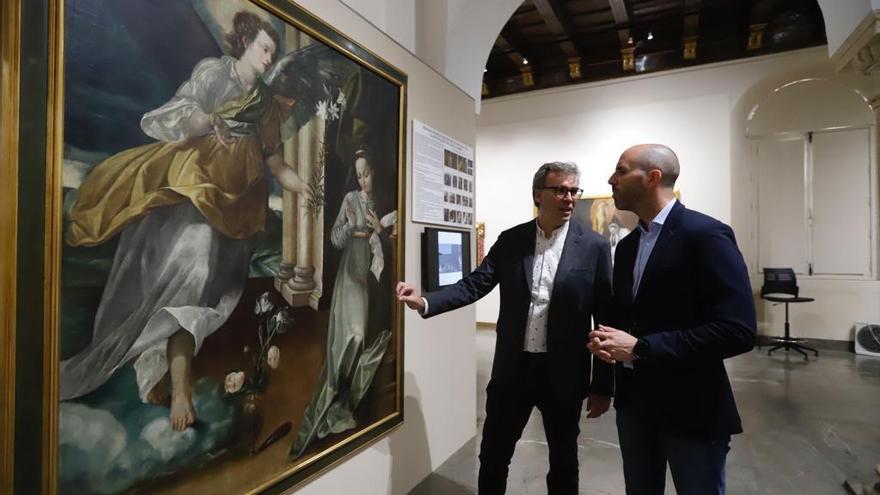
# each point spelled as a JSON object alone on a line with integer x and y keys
{"x": 560, "y": 191}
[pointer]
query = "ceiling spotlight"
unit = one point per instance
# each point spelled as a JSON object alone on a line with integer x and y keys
{"x": 525, "y": 61}
{"x": 650, "y": 35}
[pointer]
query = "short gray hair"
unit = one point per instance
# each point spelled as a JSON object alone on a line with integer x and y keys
{"x": 564, "y": 168}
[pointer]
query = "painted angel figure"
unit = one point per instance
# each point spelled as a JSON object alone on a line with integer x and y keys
{"x": 187, "y": 208}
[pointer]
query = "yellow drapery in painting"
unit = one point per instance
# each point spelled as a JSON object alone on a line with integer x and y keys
{"x": 227, "y": 185}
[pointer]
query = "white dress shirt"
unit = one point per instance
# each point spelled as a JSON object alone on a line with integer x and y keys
{"x": 548, "y": 251}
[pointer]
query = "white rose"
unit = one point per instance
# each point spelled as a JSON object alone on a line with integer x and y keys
{"x": 234, "y": 381}
{"x": 273, "y": 357}
{"x": 264, "y": 305}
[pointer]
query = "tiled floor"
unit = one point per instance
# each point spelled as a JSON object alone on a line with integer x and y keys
{"x": 809, "y": 426}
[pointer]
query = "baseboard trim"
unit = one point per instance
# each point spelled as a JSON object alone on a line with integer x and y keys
{"x": 824, "y": 344}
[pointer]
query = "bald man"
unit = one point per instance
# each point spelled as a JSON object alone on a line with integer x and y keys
{"x": 682, "y": 304}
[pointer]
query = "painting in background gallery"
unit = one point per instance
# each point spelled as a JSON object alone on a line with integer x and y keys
{"x": 230, "y": 243}
{"x": 481, "y": 241}
{"x": 599, "y": 214}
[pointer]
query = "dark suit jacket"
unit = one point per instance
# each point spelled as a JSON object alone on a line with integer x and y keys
{"x": 582, "y": 288}
{"x": 695, "y": 308}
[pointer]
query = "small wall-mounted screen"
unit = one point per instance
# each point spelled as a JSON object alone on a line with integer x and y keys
{"x": 449, "y": 248}
{"x": 446, "y": 257}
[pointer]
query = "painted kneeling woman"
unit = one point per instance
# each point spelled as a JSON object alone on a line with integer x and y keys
{"x": 188, "y": 209}
{"x": 350, "y": 365}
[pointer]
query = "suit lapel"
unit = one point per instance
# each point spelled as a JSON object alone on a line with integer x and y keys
{"x": 569, "y": 250}
{"x": 666, "y": 234}
{"x": 624, "y": 263}
{"x": 529, "y": 258}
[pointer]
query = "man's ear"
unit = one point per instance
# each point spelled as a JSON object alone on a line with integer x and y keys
{"x": 655, "y": 176}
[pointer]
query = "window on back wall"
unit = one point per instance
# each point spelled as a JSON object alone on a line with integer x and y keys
{"x": 815, "y": 197}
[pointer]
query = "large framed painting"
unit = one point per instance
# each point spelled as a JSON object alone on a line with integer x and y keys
{"x": 209, "y": 227}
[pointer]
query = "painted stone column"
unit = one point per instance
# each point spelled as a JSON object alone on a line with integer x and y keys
{"x": 297, "y": 278}
{"x": 302, "y": 284}
{"x": 288, "y": 199}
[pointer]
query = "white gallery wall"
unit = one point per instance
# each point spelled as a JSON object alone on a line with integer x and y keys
{"x": 440, "y": 382}
{"x": 702, "y": 114}
{"x": 839, "y": 236}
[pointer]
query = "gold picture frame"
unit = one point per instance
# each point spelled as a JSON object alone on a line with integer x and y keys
{"x": 10, "y": 20}
{"x": 481, "y": 241}
{"x": 35, "y": 112}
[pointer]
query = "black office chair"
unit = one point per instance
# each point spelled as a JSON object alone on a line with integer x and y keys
{"x": 783, "y": 281}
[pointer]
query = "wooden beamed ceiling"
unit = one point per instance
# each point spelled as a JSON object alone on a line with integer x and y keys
{"x": 549, "y": 43}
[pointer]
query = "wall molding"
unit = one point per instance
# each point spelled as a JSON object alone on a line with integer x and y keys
{"x": 864, "y": 35}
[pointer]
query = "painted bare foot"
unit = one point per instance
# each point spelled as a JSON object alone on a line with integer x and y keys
{"x": 160, "y": 395}
{"x": 182, "y": 413}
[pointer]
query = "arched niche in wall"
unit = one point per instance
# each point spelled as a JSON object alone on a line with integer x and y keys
{"x": 808, "y": 104}
{"x": 810, "y": 156}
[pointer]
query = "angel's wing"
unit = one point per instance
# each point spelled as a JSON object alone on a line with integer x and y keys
{"x": 312, "y": 76}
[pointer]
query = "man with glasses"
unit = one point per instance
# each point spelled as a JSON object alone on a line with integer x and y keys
{"x": 554, "y": 277}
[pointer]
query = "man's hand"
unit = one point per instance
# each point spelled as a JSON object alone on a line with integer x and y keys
{"x": 597, "y": 405}
{"x": 611, "y": 345}
{"x": 410, "y": 295}
{"x": 595, "y": 347}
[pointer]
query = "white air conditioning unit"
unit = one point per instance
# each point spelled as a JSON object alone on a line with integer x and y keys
{"x": 867, "y": 339}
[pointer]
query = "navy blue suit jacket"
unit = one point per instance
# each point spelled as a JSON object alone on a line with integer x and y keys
{"x": 695, "y": 308}
{"x": 581, "y": 289}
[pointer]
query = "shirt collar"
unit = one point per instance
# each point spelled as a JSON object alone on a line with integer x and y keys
{"x": 555, "y": 233}
{"x": 660, "y": 219}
